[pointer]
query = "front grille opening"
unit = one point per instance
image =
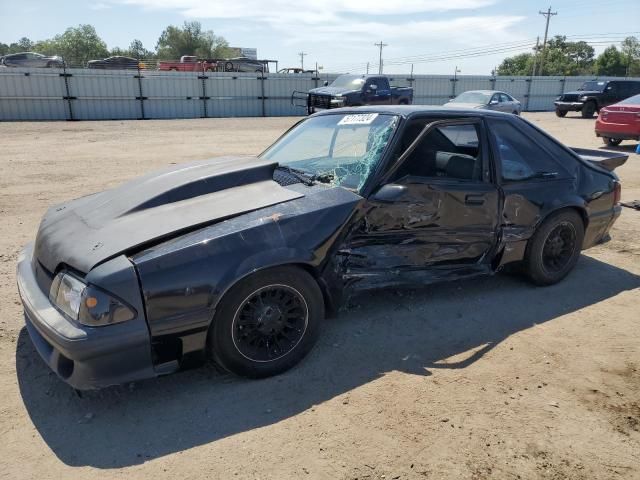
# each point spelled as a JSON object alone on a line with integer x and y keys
{"x": 65, "y": 367}
{"x": 320, "y": 101}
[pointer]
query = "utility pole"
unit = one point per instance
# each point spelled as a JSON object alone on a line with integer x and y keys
{"x": 535, "y": 56}
{"x": 302, "y": 55}
{"x": 548, "y": 14}
{"x": 381, "y": 45}
{"x": 367, "y": 68}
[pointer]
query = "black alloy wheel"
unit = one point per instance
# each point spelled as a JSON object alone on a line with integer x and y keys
{"x": 554, "y": 249}
{"x": 559, "y": 247}
{"x": 269, "y": 323}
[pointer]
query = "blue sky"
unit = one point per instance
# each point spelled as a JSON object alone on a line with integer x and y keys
{"x": 340, "y": 34}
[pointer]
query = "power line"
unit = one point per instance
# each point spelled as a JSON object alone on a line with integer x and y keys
{"x": 547, "y": 15}
{"x": 380, "y": 45}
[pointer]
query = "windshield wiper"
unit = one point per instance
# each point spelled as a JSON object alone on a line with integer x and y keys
{"x": 301, "y": 175}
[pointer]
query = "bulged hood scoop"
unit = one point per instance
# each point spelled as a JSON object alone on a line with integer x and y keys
{"x": 87, "y": 231}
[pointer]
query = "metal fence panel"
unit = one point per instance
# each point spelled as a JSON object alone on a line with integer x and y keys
{"x": 177, "y": 95}
{"x": 432, "y": 89}
{"x": 28, "y": 96}
{"x": 85, "y": 94}
{"x": 234, "y": 95}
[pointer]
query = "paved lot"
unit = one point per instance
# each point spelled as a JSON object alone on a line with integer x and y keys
{"x": 478, "y": 379}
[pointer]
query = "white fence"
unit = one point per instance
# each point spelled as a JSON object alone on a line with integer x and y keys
{"x": 83, "y": 94}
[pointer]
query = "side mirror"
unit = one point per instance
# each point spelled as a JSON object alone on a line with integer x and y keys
{"x": 325, "y": 83}
{"x": 493, "y": 102}
{"x": 389, "y": 192}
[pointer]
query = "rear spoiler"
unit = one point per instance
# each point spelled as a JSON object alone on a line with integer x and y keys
{"x": 602, "y": 158}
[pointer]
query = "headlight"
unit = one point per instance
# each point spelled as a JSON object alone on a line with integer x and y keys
{"x": 87, "y": 304}
{"x": 583, "y": 98}
{"x": 66, "y": 294}
{"x": 337, "y": 100}
{"x": 559, "y": 98}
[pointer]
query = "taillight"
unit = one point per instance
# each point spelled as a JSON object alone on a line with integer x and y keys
{"x": 617, "y": 192}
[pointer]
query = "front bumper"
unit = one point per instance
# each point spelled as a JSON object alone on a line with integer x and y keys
{"x": 568, "y": 106}
{"x": 84, "y": 357}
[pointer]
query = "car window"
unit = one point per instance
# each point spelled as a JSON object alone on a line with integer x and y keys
{"x": 519, "y": 155}
{"x": 504, "y": 97}
{"x": 447, "y": 152}
{"x": 495, "y": 98}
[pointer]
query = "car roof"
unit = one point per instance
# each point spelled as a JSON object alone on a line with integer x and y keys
{"x": 418, "y": 110}
{"x": 483, "y": 91}
{"x": 23, "y": 53}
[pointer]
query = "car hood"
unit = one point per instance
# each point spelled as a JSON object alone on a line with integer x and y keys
{"x": 331, "y": 90}
{"x": 90, "y": 230}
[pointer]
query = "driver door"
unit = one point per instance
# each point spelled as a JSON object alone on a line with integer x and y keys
{"x": 377, "y": 91}
{"x": 434, "y": 216}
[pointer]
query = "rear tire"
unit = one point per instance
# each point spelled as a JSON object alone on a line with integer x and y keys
{"x": 612, "y": 142}
{"x": 267, "y": 322}
{"x": 588, "y": 109}
{"x": 561, "y": 113}
{"x": 555, "y": 247}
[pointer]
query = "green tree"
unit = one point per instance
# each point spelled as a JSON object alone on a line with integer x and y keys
{"x": 4, "y": 49}
{"x": 190, "y": 40}
{"x": 560, "y": 58}
{"x": 47, "y": 47}
{"x": 611, "y": 63}
{"x": 631, "y": 53}
{"x": 137, "y": 50}
{"x": 24, "y": 44}
{"x": 521, "y": 64}
{"x": 80, "y": 44}
{"x": 567, "y": 58}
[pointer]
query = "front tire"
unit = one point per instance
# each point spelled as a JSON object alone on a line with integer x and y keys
{"x": 267, "y": 322}
{"x": 555, "y": 247}
{"x": 588, "y": 109}
{"x": 561, "y": 113}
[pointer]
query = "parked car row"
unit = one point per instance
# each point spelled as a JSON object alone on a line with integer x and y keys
{"x": 187, "y": 63}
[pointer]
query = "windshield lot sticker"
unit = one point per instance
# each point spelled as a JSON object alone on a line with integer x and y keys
{"x": 358, "y": 119}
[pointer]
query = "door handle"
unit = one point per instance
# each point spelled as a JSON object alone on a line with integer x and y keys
{"x": 474, "y": 199}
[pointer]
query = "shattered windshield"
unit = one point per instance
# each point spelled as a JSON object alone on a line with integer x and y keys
{"x": 340, "y": 149}
{"x": 592, "y": 87}
{"x": 348, "y": 81}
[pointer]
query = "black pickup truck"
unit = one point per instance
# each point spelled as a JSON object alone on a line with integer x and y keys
{"x": 594, "y": 95}
{"x": 357, "y": 90}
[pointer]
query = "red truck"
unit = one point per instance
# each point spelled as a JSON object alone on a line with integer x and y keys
{"x": 189, "y": 63}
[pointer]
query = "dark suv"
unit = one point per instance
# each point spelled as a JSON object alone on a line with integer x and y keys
{"x": 595, "y": 94}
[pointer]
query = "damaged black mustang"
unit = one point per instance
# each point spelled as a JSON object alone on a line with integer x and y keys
{"x": 239, "y": 259}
